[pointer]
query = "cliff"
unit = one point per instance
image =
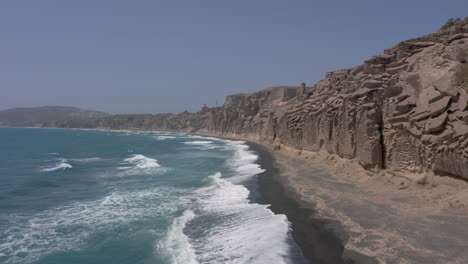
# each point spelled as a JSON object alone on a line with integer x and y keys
{"x": 405, "y": 110}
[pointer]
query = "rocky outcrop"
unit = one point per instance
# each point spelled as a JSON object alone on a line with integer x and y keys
{"x": 405, "y": 110}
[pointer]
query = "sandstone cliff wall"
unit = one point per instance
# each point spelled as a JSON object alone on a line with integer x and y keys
{"x": 405, "y": 110}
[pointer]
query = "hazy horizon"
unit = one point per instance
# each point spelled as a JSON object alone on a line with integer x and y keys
{"x": 154, "y": 57}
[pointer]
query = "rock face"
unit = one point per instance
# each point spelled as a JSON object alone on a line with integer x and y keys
{"x": 37, "y": 116}
{"x": 405, "y": 110}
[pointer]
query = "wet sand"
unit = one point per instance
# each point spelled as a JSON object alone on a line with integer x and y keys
{"x": 339, "y": 219}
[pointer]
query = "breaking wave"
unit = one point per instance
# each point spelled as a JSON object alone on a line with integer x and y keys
{"x": 164, "y": 137}
{"x": 87, "y": 159}
{"x": 235, "y": 230}
{"x": 202, "y": 144}
{"x": 68, "y": 227}
{"x": 176, "y": 247}
{"x": 143, "y": 162}
{"x": 62, "y": 165}
{"x": 198, "y": 142}
{"x": 240, "y": 231}
{"x": 198, "y": 212}
{"x": 141, "y": 165}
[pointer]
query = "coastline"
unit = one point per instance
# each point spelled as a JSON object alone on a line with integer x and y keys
{"x": 340, "y": 214}
{"x": 321, "y": 240}
{"x": 367, "y": 216}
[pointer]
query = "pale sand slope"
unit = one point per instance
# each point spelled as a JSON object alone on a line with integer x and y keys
{"x": 387, "y": 217}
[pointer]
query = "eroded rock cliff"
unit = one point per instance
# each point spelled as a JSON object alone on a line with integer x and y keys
{"x": 405, "y": 110}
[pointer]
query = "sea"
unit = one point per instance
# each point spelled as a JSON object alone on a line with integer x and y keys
{"x": 103, "y": 196}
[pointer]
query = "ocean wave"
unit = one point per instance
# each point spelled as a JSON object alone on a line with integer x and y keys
{"x": 68, "y": 227}
{"x": 177, "y": 247}
{"x": 164, "y": 137}
{"x": 239, "y": 231}
{"x": 243, "y": 162}
{"x": 143, "y": 162}
{"x": 235, "y": 230}
{"x": 199, "y": 142}
{"x": 62, "y": 165}
{"x": 141, "y": 165}
{"x": 87, "y": 159}
{"x": 202, "y": 144}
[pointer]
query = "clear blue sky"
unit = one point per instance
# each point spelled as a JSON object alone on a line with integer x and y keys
{"x": 168, "y": 56}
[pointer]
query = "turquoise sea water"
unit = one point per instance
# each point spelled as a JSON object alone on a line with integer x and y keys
{"x": 95, "y": 196}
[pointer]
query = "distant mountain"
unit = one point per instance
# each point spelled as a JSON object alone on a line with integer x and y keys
{"x": 38, "y": 116}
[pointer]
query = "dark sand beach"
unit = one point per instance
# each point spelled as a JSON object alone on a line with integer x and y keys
{"x": 321, "y": 240}
{"x": 338, "y": 219}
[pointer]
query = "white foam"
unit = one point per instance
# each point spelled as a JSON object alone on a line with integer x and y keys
{"x": 239, "y": 231}
{"x": 179, "y": 134}
{"x": 248, "y": 232}
{"x": 62, "y": 165}
{"x": 87, "y": 159}
{"x": 203, "y": 137}
{"x": 141, "y": 165}
{"x": 242, "y": 162}
{"x": 164, "y": 137}
{"x": 202, "y": 144}
{"x": 199, "y": 142}
{"x": 44, "y": 233}
{"x": 142, "y": 161}
{"x": 177, "y": 247}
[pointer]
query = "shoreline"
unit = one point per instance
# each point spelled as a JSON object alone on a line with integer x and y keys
{"x": 321, "y": 240}
{"x": 340, "y": 215}
{"x": 376, "y": 216}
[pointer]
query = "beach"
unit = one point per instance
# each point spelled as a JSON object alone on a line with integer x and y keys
{"x": 337, "y": 212}
{"x": 351, "y": 216}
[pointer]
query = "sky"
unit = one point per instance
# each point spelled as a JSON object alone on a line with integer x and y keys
{"x": 138, "y": 56}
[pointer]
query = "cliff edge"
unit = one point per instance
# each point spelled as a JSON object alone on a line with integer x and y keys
{"x": 405, "y": 110}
